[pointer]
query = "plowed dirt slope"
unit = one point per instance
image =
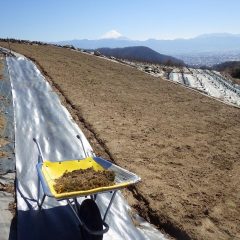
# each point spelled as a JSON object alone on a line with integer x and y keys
{"x": 184, "y": 145}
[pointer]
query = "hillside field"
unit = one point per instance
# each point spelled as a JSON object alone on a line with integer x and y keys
{"x": 185, "y": 146}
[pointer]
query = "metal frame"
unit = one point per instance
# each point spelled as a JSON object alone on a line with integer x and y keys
{"x": 40, "y": 160}
{"x": 74, "y": 203}
{"x": 74, "y": 207}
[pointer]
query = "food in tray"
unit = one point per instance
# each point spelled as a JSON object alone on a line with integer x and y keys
{"x": 83, "y": 179}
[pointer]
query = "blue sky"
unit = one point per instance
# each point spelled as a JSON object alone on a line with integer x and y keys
{"x": 53, "y": 20}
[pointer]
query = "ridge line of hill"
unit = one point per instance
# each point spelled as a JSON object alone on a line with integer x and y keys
{"x": 141, "y": 54}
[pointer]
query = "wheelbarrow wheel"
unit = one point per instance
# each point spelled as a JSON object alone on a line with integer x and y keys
{"x": 91, "y": 217}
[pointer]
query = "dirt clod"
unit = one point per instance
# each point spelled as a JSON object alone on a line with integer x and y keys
{"x": 7, "y": 188}
{"x": 83, "y": 179}
{"x": 12, "y": 206}
{"x": 3, "y": 154}
{"x": 1, "y": 67}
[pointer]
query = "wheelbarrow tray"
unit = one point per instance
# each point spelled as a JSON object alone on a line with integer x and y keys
{"x": 49, "y": 171}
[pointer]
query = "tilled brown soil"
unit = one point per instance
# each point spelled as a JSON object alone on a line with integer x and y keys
{"x": 184, "y": 145}
{"x": 83, "y": 179}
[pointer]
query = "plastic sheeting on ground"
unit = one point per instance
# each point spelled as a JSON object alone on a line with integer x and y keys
{"x": 39, "y": 113}
{"x": 209, "y": 82}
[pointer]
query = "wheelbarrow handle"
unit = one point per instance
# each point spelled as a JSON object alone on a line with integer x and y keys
{"x": 78, "y": 136}
{"x": 39, "y": 149}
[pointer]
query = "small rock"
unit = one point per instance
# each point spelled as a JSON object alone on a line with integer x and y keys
{"x": 97, "y": 53}
{"x": 206, "y": 212}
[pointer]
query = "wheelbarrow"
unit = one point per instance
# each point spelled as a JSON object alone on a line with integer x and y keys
{"x": 49, "y": 171}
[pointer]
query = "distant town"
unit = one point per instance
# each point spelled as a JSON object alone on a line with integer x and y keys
{"x": 209, "y": 59}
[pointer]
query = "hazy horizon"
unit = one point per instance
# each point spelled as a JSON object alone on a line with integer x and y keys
{"x": 177, "y": 38}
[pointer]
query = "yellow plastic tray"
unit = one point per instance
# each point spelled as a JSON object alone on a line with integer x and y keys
{"x": 54, "y": 170}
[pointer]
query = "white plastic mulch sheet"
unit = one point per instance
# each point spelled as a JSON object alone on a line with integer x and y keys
{"x": 209, "y": 82}
{"x": 39, "y": 113}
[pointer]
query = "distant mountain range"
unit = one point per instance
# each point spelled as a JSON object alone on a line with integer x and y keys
{"x": 221, "y": 42}
{"x": 142, "y": 54}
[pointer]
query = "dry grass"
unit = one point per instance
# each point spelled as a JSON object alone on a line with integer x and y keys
{"x": 1, "y": 66}
{"x": 2, "y": 140}
{"x": 234, "y": 80}
{"x": 7, "y": 187}
{"x": 12, "y": 206}
{"x": 3, "y": 154}
{"x": 2, "y": 118}
{"x": 184, "y": 145}
{"x": 2, "y": 122}
{"x": 83, "y": 179}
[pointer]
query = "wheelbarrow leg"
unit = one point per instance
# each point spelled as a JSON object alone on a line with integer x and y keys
{"x": 109, "y": 205}
{"x": 40, "y": 159}
{"x": 89, "y": 219}
{"x": 41, "y": 203}
{"x": 39, "y": 195}
{"x": 76, "y": 204}
{"x": 38, "y": 198}
{"x": 94, "y": 197}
